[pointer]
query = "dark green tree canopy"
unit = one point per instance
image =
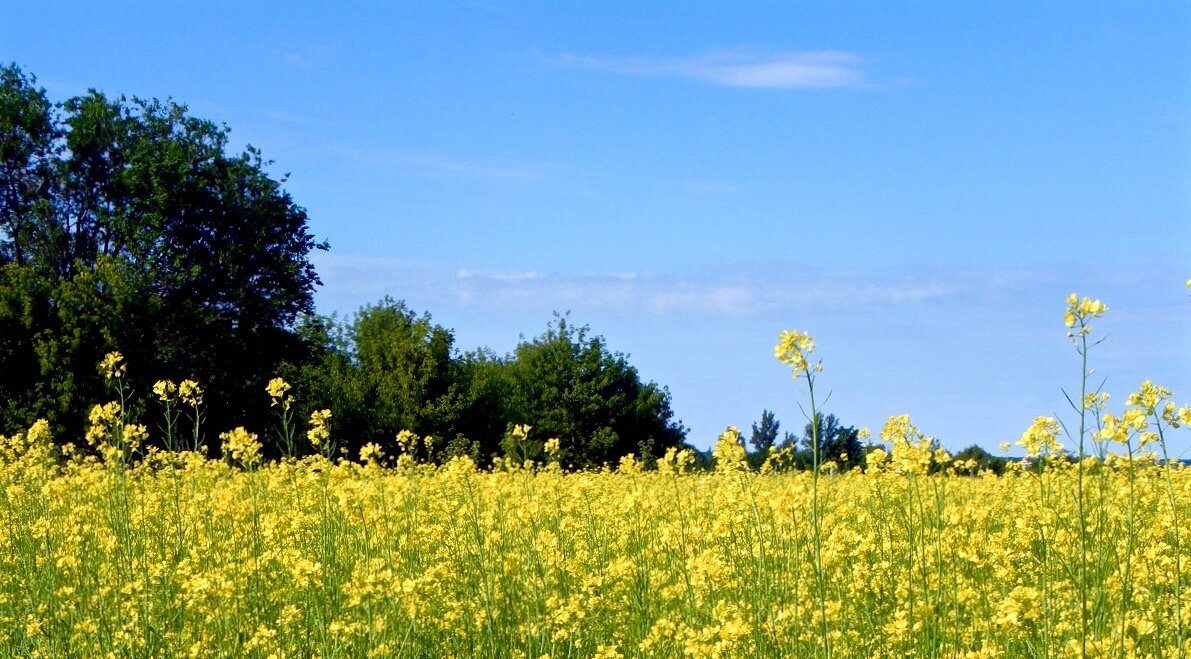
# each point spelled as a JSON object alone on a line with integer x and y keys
{"x": 764, "y": 435}
{"x": 568, "y": 385}
{"x": 128, "y": 225}
{"x": 388, "y": 369}
{"x": 383, "y": 370}
{"x": 837, "y": 442}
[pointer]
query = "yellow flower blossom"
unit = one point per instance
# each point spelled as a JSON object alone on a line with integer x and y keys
{"x": 792, "y": 349}
{"x": 729, "y": 451}
{"x": 242, "y": 446}
{"x": 320, "y": 431}
{"x": 190, "y": 393}
{"x": 1041, "y": 438}
{"x": 165, "y": 390}
{"x": 113, "y": 366}
{"x": 278, "y": 390}
{"x": 371, "y": 453}
{"x": 1081, "y": 311}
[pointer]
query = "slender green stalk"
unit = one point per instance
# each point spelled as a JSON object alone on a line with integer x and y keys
{"x": 1178, "y": 549}
{"x": 816, "y": 515}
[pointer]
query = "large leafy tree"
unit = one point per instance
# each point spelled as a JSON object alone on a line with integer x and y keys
{"x": 570, "y": 386}
{"x": 764, "y": 435}
{"x": 129, "y": 225}
{"x": 387, "y": 369}
{"x": 837, "y": 442}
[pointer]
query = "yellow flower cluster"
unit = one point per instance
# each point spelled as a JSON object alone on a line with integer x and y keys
{"x": 911, "y": 451}
{"x": 165, "y": 390}
{"x": 278, "y": 390}
{"x": 1080, "y": 311}
{"x": 112, "y": 366}
{"x": 793, "y": 348}
{"x": 729, "y": 451}
{"x": 1041, "y": 438}
{"x": 371, "y": 454}
{"x": 190, "y": 393}
{"x": 320, "y": 429}
{"x": 241, "y": 446}
{"x": 35, "y": 444}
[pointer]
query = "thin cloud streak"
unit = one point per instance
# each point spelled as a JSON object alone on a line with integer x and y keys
{"x": 704, "y": 294}
{"x": 743, "y": 68}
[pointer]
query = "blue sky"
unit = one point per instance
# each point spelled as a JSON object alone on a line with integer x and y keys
{"x": 919, "y": 187}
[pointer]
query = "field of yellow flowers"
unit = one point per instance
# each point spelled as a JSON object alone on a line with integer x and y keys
{"x": 127, "y": 551}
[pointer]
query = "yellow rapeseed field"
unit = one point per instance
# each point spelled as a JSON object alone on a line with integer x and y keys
{"x": 119, "y": 550}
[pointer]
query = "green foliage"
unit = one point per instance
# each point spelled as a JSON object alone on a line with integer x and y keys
{"x": 383, "y": 371}
{"x": 126, "y": 225}
{"x": 388, "y": 369}
{"x": 568, "y": 385}
{"x": 838, "y": 443}
{"x": 983, "y": 461}
{"x": 765, "y": 434}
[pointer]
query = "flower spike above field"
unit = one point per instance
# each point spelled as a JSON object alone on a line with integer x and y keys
{"x": 241, "y": 446}
{"x": 113, "y": 366}
{"x": 191, "y": 393}
{"x": 1041, "y": 438}
{"x": 1081, "y": 311}
{"x": 278, "y": 389}
{"x": 793, "y": 349}
{"x": 165, "y": 390}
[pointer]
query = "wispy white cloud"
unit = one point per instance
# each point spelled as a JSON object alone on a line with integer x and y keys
{"x": 351, "y": 281}
{"x": 742, "y": 67}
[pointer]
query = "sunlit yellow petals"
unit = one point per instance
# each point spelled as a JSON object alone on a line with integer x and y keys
{"x": 241, "y": 446}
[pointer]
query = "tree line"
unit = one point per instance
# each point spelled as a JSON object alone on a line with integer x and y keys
{"x": 129, "y": 225}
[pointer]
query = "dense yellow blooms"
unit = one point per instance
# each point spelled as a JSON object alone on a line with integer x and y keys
{"x": 241, "y": 446}
{"x": 165, "y": 390}
{"x": 1080, "y": 311}
{"x": 311, "y": 558}
{"x": 320, "y": 431}
{"x": 371, "y": 454}
{"x": 1041, "y": 438}
{"x": 1148, "y": 396}
{"x": 729, "y": 451}
{"x": 912, "y": 452}
{"x": 190, "y": 393}
{"x": 174, "y": 554}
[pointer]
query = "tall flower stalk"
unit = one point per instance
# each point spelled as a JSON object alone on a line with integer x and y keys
{"x": 792, "y": 349}
{"x": 1076, "y": 318}
{"x": 191, "y": 395}
{"x": 1154, "y": 402}
{"x": 167, "y": 392}
{"x": 278, "y": 390}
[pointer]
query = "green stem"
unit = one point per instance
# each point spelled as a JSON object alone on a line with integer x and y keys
{"x": 1083, "y": 526}
{"x": 815, "y": 515}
